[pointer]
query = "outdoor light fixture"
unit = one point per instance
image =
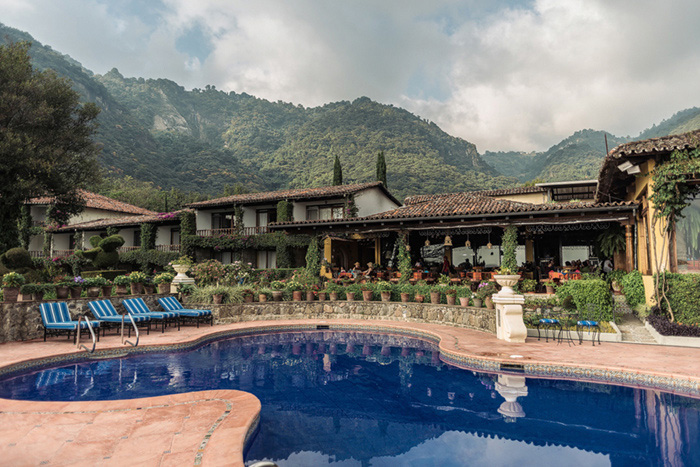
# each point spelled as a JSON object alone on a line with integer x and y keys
{"x": 427, "y": 243}
{"x": 468, "y": 244}
{"x": 448, "y": 241}
{"x": 624, "y": 166}
{"x": 634, "y": 170}
{"x": 489, "y": 245}
{"x": 629, "y": 167}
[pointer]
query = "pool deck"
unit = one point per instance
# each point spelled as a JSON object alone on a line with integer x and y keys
{"x": 209, "y": 427}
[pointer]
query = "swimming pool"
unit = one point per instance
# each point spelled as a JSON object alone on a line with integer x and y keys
{"x": 347, "y": 398}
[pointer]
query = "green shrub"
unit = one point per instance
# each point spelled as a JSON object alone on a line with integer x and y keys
{"x": 17, "y": 259}
{"x": 683, "y": 293}
{"x": 578, "y": 294}
{"x": 528, "y": 285}
{"x": 107, "y": 274}
{"x": 12, "y": 279}
{"x": 633, "y": 288}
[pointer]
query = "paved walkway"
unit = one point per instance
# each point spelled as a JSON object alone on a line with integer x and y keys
{"x": 633, "y": 330}
{"x": 209, "y": 427}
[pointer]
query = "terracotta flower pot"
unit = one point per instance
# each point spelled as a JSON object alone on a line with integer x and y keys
{"x": 136, "y": 288}
{"x": 322, "y": 296}
{"x": 38, "y": 296}
{"x": 106, "y": 290}
{"x": 11, "y": 293}
{"x": 75, "y": 292}
{"x": 149, "y": 289}
{"x": 120, "y": 289}
{"x": 333, "y": 296}
{"x": 434, "y": 298}
{"x": 451, "y": 299}
{"x": 217, "y": 298}
{"x": 277, "y": 295}
{"x": 248, "y": 298}
{"x": 350, "y": 296}
{"x": 386, "y": 296}
{"x": 262, "y": 298}
{"x": 550, "y": 289}
{"x": 163, "y": 288}
{"x": 61, "y": 291}
{"x": 464, "y": 301}
{"x": 478, "y": 303}
{"x": 404, "y": 297}
{"x": 309, "y": 296}
{"x": 93, "y": 291}
{"x": 489, "y": 303}
{"x": 419, "y": 298}
{"x": 296, "y": 295}
{"x": 367, "y": 295}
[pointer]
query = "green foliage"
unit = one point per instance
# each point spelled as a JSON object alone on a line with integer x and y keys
{"x": 208, "y": 272}
{"x": 381, "y": 168}
{"x": 350, "y": 208}
{"x": 509, "y": 244}
{"x": 163, "y": 278}
{"x": 337, "y": 172}
{"x": 111, "y": 230}
{"x": 12, "y": 279}
{"x": 109, "y": 275}
{"x": 104, "y": 255}
{"x": 137, "y": 277}
{"x": 205, "y": 295}
{"x": 147, "y": 260}
{"x": 528, "y": 285}
{"x": 610, "y": 241}
{"x": 148, "y": 236}
{"x": 313, "y": 258}
{"x": 485, "y": 289}
{"x": 25, "y": 228}
{"x": 188, "y": 223}
{"x": 683, "y": 293}
{"x": 46, "y": 149}
{"x": 404, "y": 259}
{"x": 121, "y": 280}
{"x": 95, "y": 281}
{"x": 581, "y": 293}
{"x": 95, "y": 241}
{"x": 672, "y": 192}
{"x": 17, "y": 259}
{"x": 285, "y": 211}
{"x": 633, "y": 288}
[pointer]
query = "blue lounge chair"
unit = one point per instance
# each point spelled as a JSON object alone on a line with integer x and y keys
{"x": 172, "y": 304}
{"x": 104, "y": 312}
{"x": 137, "y": 307}
{"x": 56, "y": 320}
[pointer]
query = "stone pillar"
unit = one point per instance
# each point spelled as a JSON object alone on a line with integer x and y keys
{"x": 629, "y": 246}
{"x": 181, "y": 277}
{"x": 510, "y": 387}
{"x": 510, "y": 326}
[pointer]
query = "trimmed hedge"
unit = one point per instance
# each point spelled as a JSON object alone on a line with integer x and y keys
{"x": 582, "y": 292}
{"x": 683, "y": 292}
{"x": 633, "y": 288}
{"x": 107, "y": 274}
{"x": 147, "y": 260}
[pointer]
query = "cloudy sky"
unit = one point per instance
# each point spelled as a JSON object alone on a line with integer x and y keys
{"x": 502, "y": 74}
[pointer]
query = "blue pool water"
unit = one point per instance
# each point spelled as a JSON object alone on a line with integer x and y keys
{"x": 351, "y": 399}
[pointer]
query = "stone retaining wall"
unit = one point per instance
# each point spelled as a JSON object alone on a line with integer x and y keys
{"x": 22, "y": 321}
{"x": 481, "y": 319}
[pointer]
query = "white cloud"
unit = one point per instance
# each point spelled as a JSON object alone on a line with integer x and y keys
{"x": 503, "y": 77}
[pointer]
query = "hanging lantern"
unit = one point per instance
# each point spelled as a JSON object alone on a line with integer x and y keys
{"x": 408, "y": 247}
{"x": 468, "y": 244}
{"x": 427, "y": 243}
{"x": 448, "y": 241}
{"x": 488, "y": 245}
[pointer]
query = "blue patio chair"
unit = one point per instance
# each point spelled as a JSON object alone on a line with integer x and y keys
{"x": 56, "y": 320}
{"x": 137, "y": 307}
{"x": 104, "y": 312}
{"x": 548, "y": 322}
{"x": 173, "y": 304}
{"x": 590, "y": 321}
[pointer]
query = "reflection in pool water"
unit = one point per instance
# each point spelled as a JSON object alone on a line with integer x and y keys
{"x": 344, "y": 398}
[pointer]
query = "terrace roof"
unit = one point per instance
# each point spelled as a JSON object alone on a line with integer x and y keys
{"x": 126, "y": 221}
{"x": 95, "y": 201}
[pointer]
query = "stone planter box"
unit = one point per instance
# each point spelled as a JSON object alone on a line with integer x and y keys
{"x": 676, "y": 341}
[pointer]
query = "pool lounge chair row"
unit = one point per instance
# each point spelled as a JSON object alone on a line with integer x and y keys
{"x": 57, "y": 320}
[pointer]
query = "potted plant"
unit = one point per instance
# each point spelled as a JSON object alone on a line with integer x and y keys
{"x": 76, "y": 287}
{"x": 477, "y": 302}
{"x": 297, "y": 290}
{"x": 549, "y": 287}
{"x": 333, "y": 290}
{"x": 421, "y": 288}
{"x": 61, "y": 286}
{"x": 264, "y": 294}
{"x": 218, "y": 294}
{"x": 148, "y": 286}
{"x": 405, "y": 290}
{"x": 93, "y": 285}
{"x": 435, "y": 293}
{"x": 322, "y": 294}
{"x": 528, "y": 285}
{"x": 107, "y": 288}
{"x": 384, "y": 289}
{"x": 163, "y": 281}
{"x": 484, "y": 292}
{"x": 121, "y": 282}
{"x": 32, "y": 291}
{"x": 181, "y": 266}
{"x": 137, "y": 279}
{"x": 351, "y": 291}
{"x": 366, "y": 292}
{"x": 451, "y": 295}
{"x": 508, "y": 276}
{"x": 277, "y": 290}
{"x": 248, "y": 295}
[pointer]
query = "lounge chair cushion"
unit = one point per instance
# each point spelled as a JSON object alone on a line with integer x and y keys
{"x": 104, "y": 310}
{"x": 56, "y": 316}
{"x": 173, "y": 304}
{"x": 136, "y": 307}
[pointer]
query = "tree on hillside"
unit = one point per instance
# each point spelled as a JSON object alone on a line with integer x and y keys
{"x": 381, "y": 168}
{"x": 337, "y": 172}
{"x": 45, "y": 139}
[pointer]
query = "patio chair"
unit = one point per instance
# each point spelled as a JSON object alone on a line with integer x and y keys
{"x": 137, "y": 307}
{"x": 172, "y": 304}
{"x": 56, "y": 320}
{"x": 547, "y": 322}
{"x": 590, "y": 321}
{"x": 104, "y": 312}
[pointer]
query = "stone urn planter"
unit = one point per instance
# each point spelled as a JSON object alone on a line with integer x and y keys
{"x": 464, "y": 301}
{"x": 262, "y": 298}
{"x": 478, "y": 303}
{"x": 322, "y": 296}
{"x": 217, "y": 298}
{"x": 62, "y": 292}
{"x": 106, "y": 290}
{"x": 333, "y": 296}
{"x": 616, "y": 287}
{"x": 120, "y": 289}
{"x": 451, "y": 299}
{"x": 435, "y": 298}
{"x": 181, "y": 270}
{"x": 163, "y": 288}
{"x": 75, "y": 292}
{"x": 405, "y": 296}
{"x": 367, "y": 295}
{"x": 296, "y": 295}
{"x": 350, "y": 296}
{"x": 277, "y": 295}
{"x": 309, "y": 296}
{"x": 489, "y": 303}
{"x": 10, "y": 293}
{"x": 507, "y": 282}
{"x": 419, "y": 298}
{"x": 386, "y": 296}
{"x": 93, "y": 291}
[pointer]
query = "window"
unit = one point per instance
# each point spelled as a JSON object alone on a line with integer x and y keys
{"x": 265, "y": 216}
{"x": 71, "y": 242}
{"x": 137, "y": 237}
{"x": 266, "y": 259}
{"x": 223, "y": 220}
{"x": 175, "y": 236}
{"x": 324, "y": 212}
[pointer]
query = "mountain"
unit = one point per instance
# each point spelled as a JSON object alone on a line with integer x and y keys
{"x": 205, "y": 139}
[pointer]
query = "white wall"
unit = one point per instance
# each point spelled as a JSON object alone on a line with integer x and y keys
{"x": 203, "y": 219}
{"x": 300, "y": 206}
{"x": 249, "y": 216}
{"x": 373, "y": 201}
{"x": 61, "y": 241}
{"x": 128, "y": 235}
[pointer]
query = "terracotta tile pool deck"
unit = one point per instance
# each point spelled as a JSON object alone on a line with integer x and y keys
{"x": 209, "y": 427}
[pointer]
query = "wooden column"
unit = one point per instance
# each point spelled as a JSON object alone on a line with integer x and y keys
{"x": 629, "y": 247}
{"x": 377, "y": 251}
{"x": 529, "y": 250}
{"x": 327, "y": 255}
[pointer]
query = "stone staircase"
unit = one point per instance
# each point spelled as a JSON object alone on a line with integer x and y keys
{"x": 632, "y": 329}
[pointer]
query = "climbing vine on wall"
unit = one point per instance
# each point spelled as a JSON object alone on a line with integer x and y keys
{"x": 148, "y": 236}
{"x": 404, "y": 257}
{"x": 509, "y": 243}
{"x": 188, "y": 223}
{"x": 284, "y": 211}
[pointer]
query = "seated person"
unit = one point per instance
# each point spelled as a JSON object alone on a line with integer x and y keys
{"x": 370, "y": 268}
{"x": 355, "y": 271}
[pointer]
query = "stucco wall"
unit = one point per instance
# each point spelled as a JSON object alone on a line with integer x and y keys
{"x": 534, "y": 198}
{"x": 373, "y": 201}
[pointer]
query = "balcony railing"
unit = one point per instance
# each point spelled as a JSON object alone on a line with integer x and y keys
{"x": 36, "y": 253}
{"x": 129, "y": 248}
{"x": 62, "y": 253}
{"x": 168, "y": 248}
{"x": 248, "y": 231}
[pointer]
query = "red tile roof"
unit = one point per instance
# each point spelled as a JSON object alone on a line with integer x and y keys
{"x": 416, "y": 199}
{"x": 294, "y": 194}
{"x": 126, "y": 221}
{"x": 95, "y": 201}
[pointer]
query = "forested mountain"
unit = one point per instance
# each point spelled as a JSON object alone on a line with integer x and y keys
{"x": 205, "y": 140}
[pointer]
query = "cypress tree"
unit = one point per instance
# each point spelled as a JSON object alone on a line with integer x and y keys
{"x": 337, "y": 172}
{"x": 381, "y": 168}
